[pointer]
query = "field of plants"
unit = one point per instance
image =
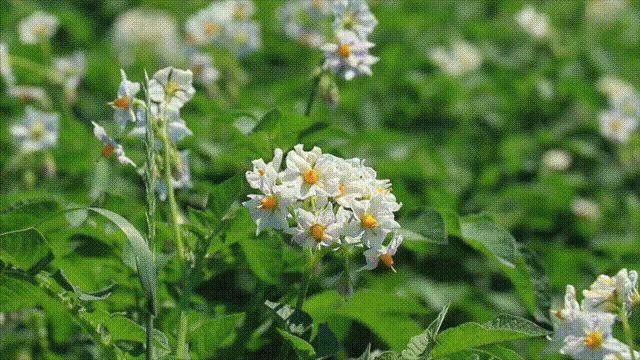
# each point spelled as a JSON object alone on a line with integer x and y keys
{"x": 319, "y": 179}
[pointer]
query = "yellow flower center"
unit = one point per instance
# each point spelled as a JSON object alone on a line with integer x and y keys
{"x": 268, "y": 203}
{"x": 107, "y": 150}
{"x": 593, "y": 339}
{"x": 122, "y": 102}
{"x": 261, "y": 172}
{"x": 310, "y": 176}
{"x": 368, "y": 221}
{"x": 210, "y": 28}
{"x": 317, "y": 231}
{"x": 37, "y": 131}
{"x": 172, "y": 87}
{"x": 344, "y": 50}
{"x": 387, "y": 260}
{"x": 342, "y": 190}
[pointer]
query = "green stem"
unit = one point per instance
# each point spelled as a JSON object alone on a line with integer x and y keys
{"x": 181, "y": 346}
{"x": 628, "y": 333}
{"x": 44, "y": 71}
{"x": 150, "y": 354}
{"x": 314, "y": 92}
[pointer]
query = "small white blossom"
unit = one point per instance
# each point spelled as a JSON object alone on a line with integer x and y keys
{"x": 124, "y": 103}
{"x": 564, "y": 319}
{"x": 607, "y": 294}
{"x": 37, "y": 131}
{"x": 37, "y": 27}
{"x": 349, "y": 56}
{"x": 265, "y": 176}
{"x": 30, "y": 93}
{"x": 71, "y": 70}
{"x": 110, "y": 146}
{"x": 171, "y": 87}
{"x": 206, "y": 25}
{"x": 354, "y": 15}
{"x": 203, "y": 70}
{"x": 617, "y": 126}
{"x": 5, "y": 66}
{"x": 585, "y": 208}
{"x": 308, "y": 173}
{"x": 382, "y": 253}
{"x": 557, "y": 159}
{"x": 591, "y": 337}
{"x": 604, "y": 11}
{"x": 303, "y": 20}
{"x": 463, "y": 58}
{"x": 243, "y": 37}
{"x": 534, "y": 23}
{"x": 323, "y": 229}
{"x": 374, "y": 220}
{"x": 144, "y": 31}
{"x": 271, "y": 209}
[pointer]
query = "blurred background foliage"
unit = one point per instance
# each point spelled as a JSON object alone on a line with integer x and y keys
{"x": 469, "y": 143}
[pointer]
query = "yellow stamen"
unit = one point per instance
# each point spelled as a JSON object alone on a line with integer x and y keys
{"x": 107, "y": 150}
{"x": 317, "y": 231}
{"x": 310, "y": 176}
{"x": 261, "y": 172}
{"x": 593, "y": 340}
{"x": 342, "y": 190}
{"x": 122, "y": 102}
{"x": 344, "y": 50}
{"x": 368, "y": 221}
{"x": 268, "y": 203}
{"x": 210, "y": 28}
{"x": 387, "y": 260}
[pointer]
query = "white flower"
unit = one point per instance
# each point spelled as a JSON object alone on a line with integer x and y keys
{"x": 37, "y": 131}
{"x": 37, "y": 27}
{"x": 206, "y": 25}
{"x": 303, "y": 21}
{"x": 144, "y": 31}
{"x": 348, "y": 185}
{"x": 591, "y": 337}
{"x": 203, "y": 70}
{"x": 243, "y": 36}
{"x": 585, "y": 208}
{"x": 110, "y": 146}
{"x": 463, "y": 58}
{"x": 308, "y": 173}
{"x": 323, "y": 229}
{"x": 176, "y": 127}
{"x": 354, "y": 15}
{"x": 264, "y": 176}
{"x": 607, "y": 294}
{"x": 270, "y": 210}
{"x": 349, "y": 56}
{"x": 123, "y": 104}
{"x": 534, "y": 23}
{"x": 557, "y": 159}
{"x": 172, "y": 87}
{"x": 616, "y": 126}
{"x": 71, "y": 70}
{"x": 604, "y": 11}
{"x": 30, "y": 93}
{"x": 564, "y": 319}
{"x": 5, "y": 66}
{"x": 382, "y": 253}
{"x": 374, "y": 220}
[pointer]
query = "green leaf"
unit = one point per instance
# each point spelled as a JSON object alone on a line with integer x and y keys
{"x": 429, "y": 226}
{"x": 469, "y": 355}
{"x": 144, "y": 257}
{"x": 325, "y": 342}
{"x": 270, "y": 122}
{"x": 212, "y": 334}
{"x": 27, "y": 213}
{"x": 23, "y": 249}
{"x": 421, "y": 345}
{"x": 501, "y": 353}
{"x": 264, "y": 255}
{"x": 514, "y": 259}
{"x": 59, "y": 277}
{"x": 225, "y": 194}
{"x": 15, "y": 293}
{"x": 471, "y": 335}
{"x": 294, "y": 321}
{"x": 304, "y": 350}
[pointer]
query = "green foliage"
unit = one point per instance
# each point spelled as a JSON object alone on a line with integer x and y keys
{"x": 215, "y": 333}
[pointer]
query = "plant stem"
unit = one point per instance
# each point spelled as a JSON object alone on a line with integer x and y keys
{"x": 314, "y": 92}
{"x": 181, "y": 345}
{"x": 628, "y": 333}
{"x": 150, "y": 354}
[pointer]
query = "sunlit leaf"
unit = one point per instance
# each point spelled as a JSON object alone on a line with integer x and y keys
{"x": 213, "y": 333}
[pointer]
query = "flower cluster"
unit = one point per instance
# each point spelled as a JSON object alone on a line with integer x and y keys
{"x": 304, "y": 21}
{"x": 349, "y": 55}
{"x": 584, "y": 330}
{"x": 463, "y": 58}
{"x": 169, "y": 89}
{"x": 534, "y": 23}
{"x": 227, "y": 22}
{"x": 331, "y": 201}
{"x": 618, "y": 122}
